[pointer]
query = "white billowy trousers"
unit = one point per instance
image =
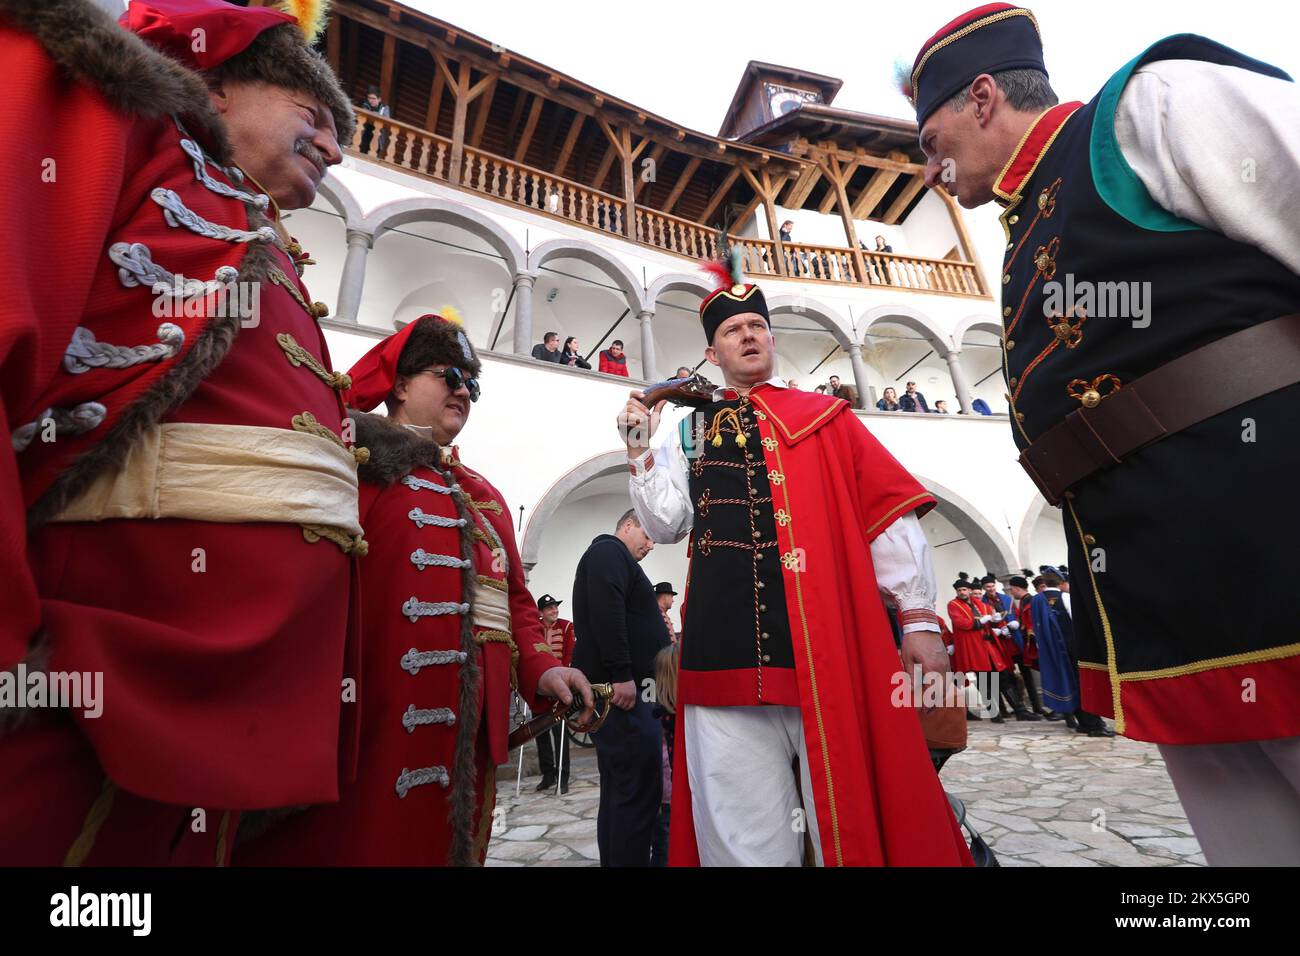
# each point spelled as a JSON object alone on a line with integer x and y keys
{"x": 745, "y": 797}
{"x": 1242, "y": 800}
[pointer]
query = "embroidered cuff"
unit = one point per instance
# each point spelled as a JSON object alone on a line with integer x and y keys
{"x": 919, "y": 619}
{"x": 637, "y": 467}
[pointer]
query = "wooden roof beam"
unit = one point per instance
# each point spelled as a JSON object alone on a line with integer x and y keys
{"x": 879, "y": 184}
{"x": 720, "y": 193}
{"x": 899, "y": 205}
{"x": 802, "y": 187}
{"x": 530, "y": 127}
{"x": 481, "y": 115}
{"x": 679, "y": 187}
{"x": 655, "y": 157}
{"x": 570, "y": 140}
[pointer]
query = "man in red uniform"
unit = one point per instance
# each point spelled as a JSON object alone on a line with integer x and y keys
{"x": 974, "y": 649}
{"x": 1006, "y": 631}
{"x": 557, "y": 640}
{"x": 448, "y": 627}
{"x": 177, "y": 508}
{"x": 1021, "y": 596}
{"x": 791, "y": 505}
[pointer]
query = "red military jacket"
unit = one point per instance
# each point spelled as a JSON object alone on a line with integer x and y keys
{"x": 221, "y": 644}
{"x": 433, "y": 684}
{"x": 560, "y": 632}
{"x": 972, "y": 651}
{"x": 1024, "y": 615}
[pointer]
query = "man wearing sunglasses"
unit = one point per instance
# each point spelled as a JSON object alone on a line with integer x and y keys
{"x": 448, "y": 627}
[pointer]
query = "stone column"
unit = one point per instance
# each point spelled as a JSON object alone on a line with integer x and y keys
{"x": 859, "y": 373}
{"x": 648, "y": 370}
{"x": 524, "y": 312}
{"x": 353, "y": 279}
{"x": 959, "y": 383}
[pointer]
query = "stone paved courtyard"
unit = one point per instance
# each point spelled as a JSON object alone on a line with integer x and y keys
{"x": 1039, "y": 793}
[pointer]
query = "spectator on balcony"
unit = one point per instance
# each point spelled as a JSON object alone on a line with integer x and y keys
{"x": 683, "y": 372}
{"x": 981, "y": 407}
{"x": 846, "y": 392}
{"x": 941, "y": 407}
{"x": 570, "y": 356}
{"x": 612, "y": 359}
{"x": 793, "y": 258}
{"x": 374, "y": 104}
{"x": 549, "y": 350}
{"x": 820, "y": 389}
{"x": 889, "y": 403}
{"x": 912, "y": 400}
{"x": 880, "y": 267}
{"x": 791, "y": 382}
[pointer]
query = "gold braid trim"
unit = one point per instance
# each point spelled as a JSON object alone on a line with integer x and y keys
{"x": 726, "y": 416}
{"x": 492, "y": 506}
{"x": 480, "y": 535}
{"x": 306, "y": 422}
{"x": 493, "y": 583}
{"x": 491, "y": 635}
{"x": 348, "y": 544}
{"x": 317, "y": 310}
{"x": 299, "y": 357}
{"x": 95, "y": 818}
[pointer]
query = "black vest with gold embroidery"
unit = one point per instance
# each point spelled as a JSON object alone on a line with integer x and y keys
{"x": 736, "y": 616}
{"x": 1085, "y": 240}
{"x": 1083, "y": 231}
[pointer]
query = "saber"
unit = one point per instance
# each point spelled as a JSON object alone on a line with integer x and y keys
{"x": 569, "y": 714}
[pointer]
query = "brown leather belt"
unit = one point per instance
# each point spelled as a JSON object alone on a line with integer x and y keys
{"x": 1203, "y": 383}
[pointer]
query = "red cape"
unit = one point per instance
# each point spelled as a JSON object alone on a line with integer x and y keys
{"x": 877, "y": 796}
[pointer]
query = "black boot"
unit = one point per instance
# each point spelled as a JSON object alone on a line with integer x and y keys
{"x": 1028, "y": 674}
{"x": 1071, "y": 722}
{"x": 1017, "y": 700}
{"x": 548, "y": 783}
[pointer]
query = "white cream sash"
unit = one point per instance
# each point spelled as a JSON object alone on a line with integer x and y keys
{"x": 491, "y": 609}
{"x": 228, "y": 473}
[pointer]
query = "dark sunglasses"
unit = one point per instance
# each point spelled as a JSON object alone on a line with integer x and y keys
{"x": 455, "y": 378}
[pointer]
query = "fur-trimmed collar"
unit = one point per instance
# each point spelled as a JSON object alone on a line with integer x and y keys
{"x": 133, "y": 77}
{"x": 395, "y": 450}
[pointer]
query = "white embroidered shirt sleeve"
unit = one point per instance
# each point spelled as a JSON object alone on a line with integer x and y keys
{"x": 905, "y": 571}
{"x": 661, "y": 494}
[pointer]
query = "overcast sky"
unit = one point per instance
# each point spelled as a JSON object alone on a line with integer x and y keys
{"x": 682, "y": 60}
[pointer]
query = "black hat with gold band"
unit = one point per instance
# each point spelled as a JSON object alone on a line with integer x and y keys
{"x": 988, "y": 39}
{"x": 734, "y": 296}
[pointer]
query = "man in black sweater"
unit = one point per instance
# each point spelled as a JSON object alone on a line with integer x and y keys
{"x": 619, "y": 630}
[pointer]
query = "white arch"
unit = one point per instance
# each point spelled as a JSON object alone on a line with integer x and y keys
{"x": 335, "y": 192}
{"x": 399, "y": 212}
{"x": 594, "y": 255}
{"x": 990, "y": 544}
{"x": 976, "y": 323}
{"x": 819, "y": 312}
{"x": 598, "y": 466}
{"x": 1037, "y": 505}
{"x": 678, "y": 282}
{"x": 911, "y": 318}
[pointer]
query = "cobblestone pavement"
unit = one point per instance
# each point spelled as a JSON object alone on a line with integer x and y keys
{"x": 1039, "y": 793}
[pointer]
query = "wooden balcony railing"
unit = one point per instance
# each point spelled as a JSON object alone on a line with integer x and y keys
{"x": 541, "y": 191}
{"x": 399, "y": 144}
{"x": 378, "y": 137}
{"x": 921, "y": 274}
{"x": 824, "y": 263}
{"x": 664, "y": 231}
